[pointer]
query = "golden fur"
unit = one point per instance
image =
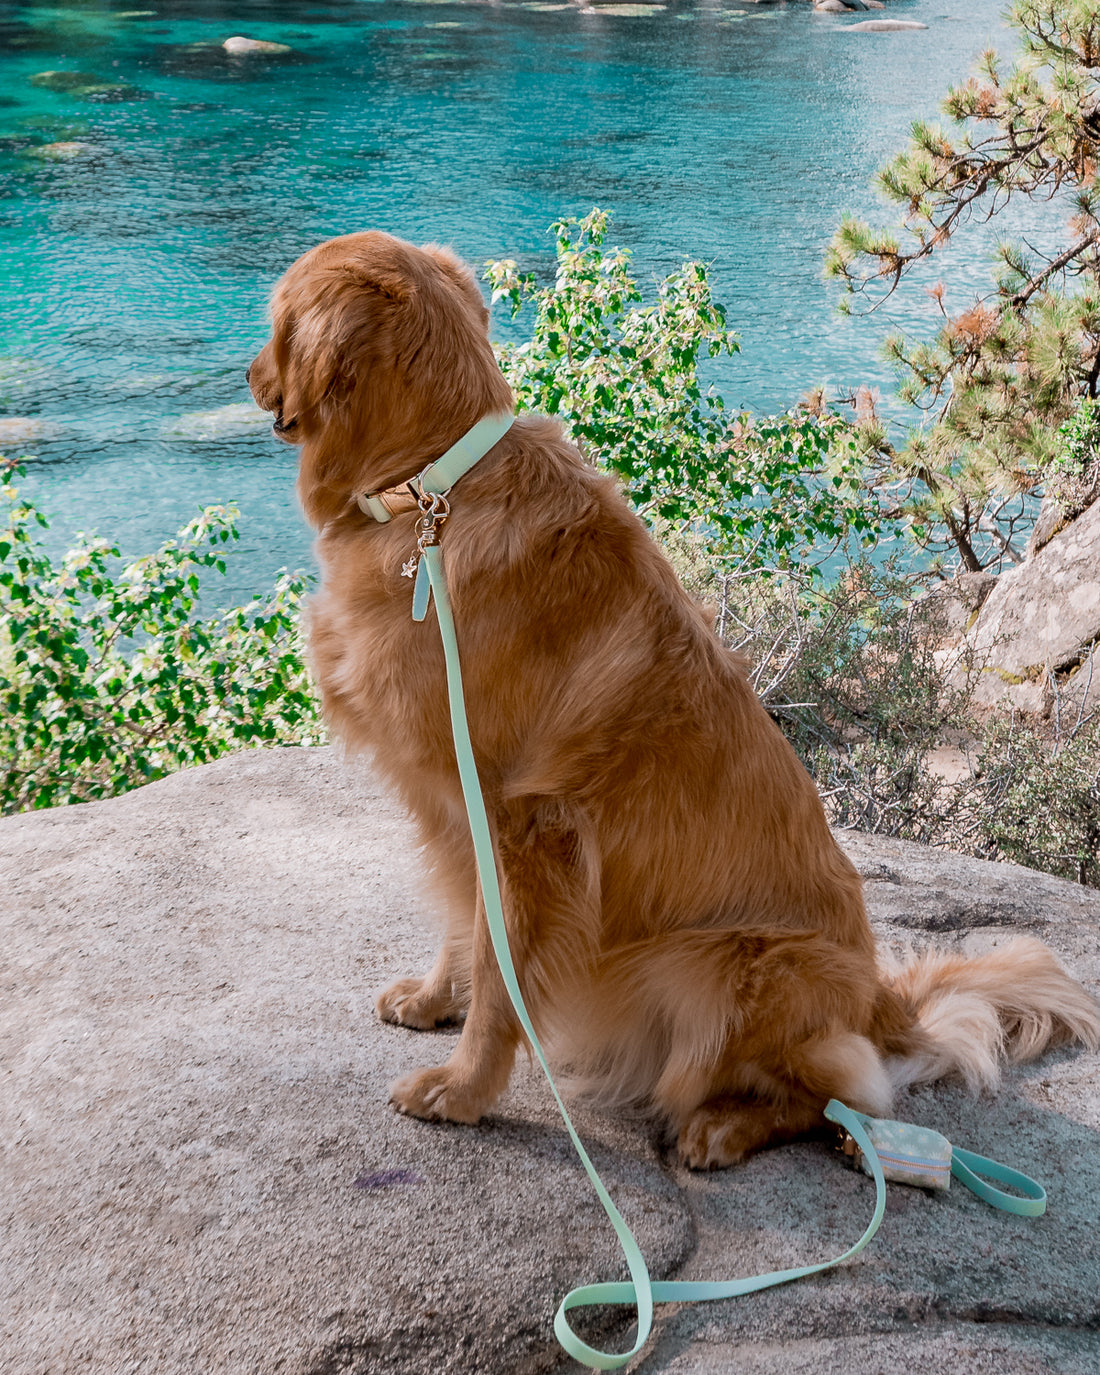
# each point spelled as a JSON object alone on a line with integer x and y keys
{"x": 688, "y": 934}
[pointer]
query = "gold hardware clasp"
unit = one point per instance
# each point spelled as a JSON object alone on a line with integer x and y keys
{"x": 434, "y": 510}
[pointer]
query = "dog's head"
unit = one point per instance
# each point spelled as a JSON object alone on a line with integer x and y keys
{"x": 379, "y": 360}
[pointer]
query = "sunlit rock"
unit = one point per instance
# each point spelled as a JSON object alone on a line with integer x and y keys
{"x": 624, "y": 11}
{"x": 1038, "y": 627}
{"x": 253, "y": 45}
{"x": 201, "y": 1173}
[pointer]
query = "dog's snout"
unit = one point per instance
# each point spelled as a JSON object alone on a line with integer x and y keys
{"x": 248, "y": 375}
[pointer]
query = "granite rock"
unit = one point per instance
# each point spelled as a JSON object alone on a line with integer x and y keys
{"x": 199, "y": 1170}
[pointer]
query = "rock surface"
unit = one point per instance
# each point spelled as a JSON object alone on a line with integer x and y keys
{"x": 1039, "y": 624}
{"x": 199, "y": 1170}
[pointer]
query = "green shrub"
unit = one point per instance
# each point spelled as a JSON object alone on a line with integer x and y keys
{"x": 1073, "y": 476}
{"x": 110, "y": 676}
{"x": 1041, "y": 792}
{"x": 765, "y": 492}
{"x": 853, "y": 675}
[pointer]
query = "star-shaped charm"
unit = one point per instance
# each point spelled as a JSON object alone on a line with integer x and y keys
{"x": 408, "y": 570}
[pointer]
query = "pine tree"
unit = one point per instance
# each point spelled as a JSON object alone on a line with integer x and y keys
{"x": 1006, "y": 371}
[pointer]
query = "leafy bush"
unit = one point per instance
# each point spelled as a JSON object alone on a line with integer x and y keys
{"x": 111, "y": 677}
{"x": 623, "y": 376}
{"x": 1073, "y": 476}
{"x": 852, "y": 673}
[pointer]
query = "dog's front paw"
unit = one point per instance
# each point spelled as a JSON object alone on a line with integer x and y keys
{"x": 434, "y": 1095}
{"x": 415, "y": 1003}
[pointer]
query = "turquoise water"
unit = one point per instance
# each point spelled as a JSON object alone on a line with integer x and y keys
{"x": 136, "y": 270}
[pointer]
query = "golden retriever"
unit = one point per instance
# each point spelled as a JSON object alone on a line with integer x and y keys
{"x": 689, "y": 936}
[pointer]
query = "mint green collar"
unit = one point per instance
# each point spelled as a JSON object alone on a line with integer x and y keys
{"x": 439, "y": 477}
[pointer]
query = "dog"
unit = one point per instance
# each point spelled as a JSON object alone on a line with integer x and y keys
{"x": 689, "y": 937}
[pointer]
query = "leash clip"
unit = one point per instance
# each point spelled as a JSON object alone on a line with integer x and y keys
{"x": 848, "y": 1147}
{"x": 434, "y": 510}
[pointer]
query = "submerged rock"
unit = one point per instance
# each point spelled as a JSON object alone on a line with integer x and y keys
{"x": 104, "y": 91}
{"x": 86, "y": 86}
{"x": 25, "y": 429}
{"x": 240, "y": 417}
{"x": 885, "y": 26}
{"x": 63, "y": 81}
{"x": 68, "y": 150}
{"x": 25, "y": 377}
{"x": 253, "y": 45}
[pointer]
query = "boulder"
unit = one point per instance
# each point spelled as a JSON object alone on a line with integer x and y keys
{"x": 1078, "y": 691}
{"x": 1064, "y": 501}
{"x": 951, "y": 609}
{"x": 1039, "y": 623}
{"x": 200, "y": 1172}
{"x": 253, "y": 45}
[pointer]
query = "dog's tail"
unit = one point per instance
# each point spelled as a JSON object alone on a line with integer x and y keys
{"x": 970, "y": 1014}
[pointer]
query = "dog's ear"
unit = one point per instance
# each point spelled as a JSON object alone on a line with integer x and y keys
{"x": 388, "y": 282}
{"x": 320, "y": 341}
{"x": 459, "y": 275}
{"x": 308, "y": 363}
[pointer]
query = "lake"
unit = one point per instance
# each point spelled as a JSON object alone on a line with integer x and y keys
{"x": 149, "y": 202}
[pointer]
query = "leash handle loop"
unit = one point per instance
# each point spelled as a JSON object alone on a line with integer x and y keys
{"x": 967, "y": 1167}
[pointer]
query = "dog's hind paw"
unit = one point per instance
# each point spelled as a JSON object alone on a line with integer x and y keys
{"x": 416, "y": 1003}
{"x": 723, "y": 1130}
{"x": 434, "y": 1095}
{"x": 712, "y": 1138}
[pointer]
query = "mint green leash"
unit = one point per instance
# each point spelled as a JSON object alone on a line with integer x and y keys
{"x": 640, "y": 1291}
